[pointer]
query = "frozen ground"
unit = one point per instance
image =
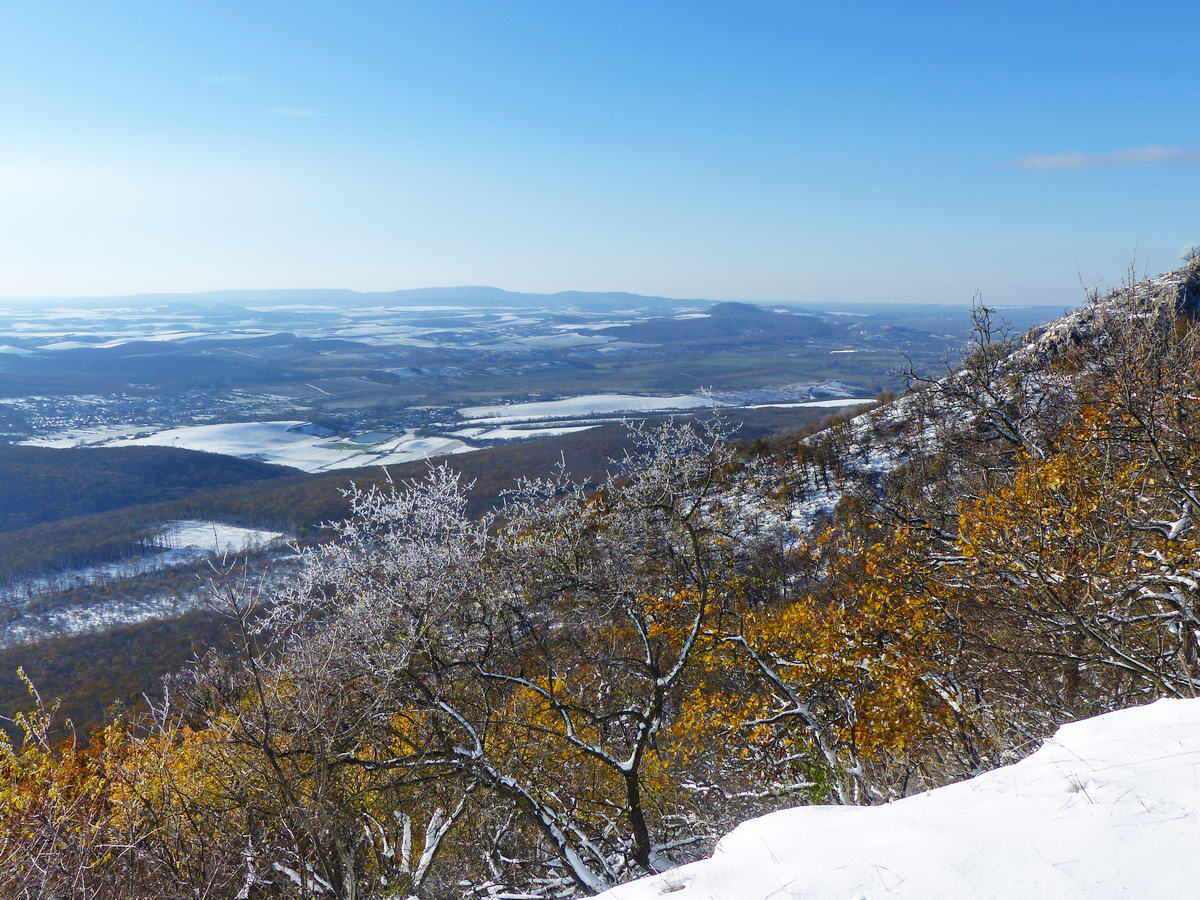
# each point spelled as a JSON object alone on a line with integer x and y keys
{"x": 180, "y": 542}
{"x": 292, "y": 442}
{"x": 216, "y": 537}
{"x": 1107, "y": 808}
{"x": 520, "y": 433}
{"x": 831, "y": 404}
{"x": 89, "y": 436}
{"x": 590, "y": 405}
{"x": 29, "y": 329}
{"x": 289, "y": 442}
{"x": 280, "y": 442}
{"x": 115, "y": 611}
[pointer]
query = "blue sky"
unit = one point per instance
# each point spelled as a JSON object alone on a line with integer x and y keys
{"x": 754, "y": 150}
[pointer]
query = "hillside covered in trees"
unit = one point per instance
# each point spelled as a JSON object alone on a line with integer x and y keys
{"x": 40, "y": 484}
{"x": 596, "y": 680}
{"x": 60, "y": 509}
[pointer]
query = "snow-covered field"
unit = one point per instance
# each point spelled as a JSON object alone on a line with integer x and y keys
{"x": 590, "y": 405}
{"x": 280, "y": 442}
{"x": 96, "y": 616}
{"x": 297, "y": 444}
{"x": 1107, "y": 808}
{"x": 181, "y": 542}
{"x": 524, "y": 329}
{"x": 198, "y": 537}
{"x": 291, "y": 443}
{"x": 509, "y": 433}
{"x": 87, "y": 436}
{"x": 831, "y": 404}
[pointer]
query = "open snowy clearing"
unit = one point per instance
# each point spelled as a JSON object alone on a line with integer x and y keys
{"x": 218, "y": 538}
{"x": 127, "y": 339}
{"x": 178, "y": 542}
{"x": 1109, "y": 807}
{"x": 88, "y": 436}
{"x": 280, "y": 442}
{"x": 831, "y": 404}
{"x": 592, "y": 404}
{"x": 567, "y": 339}
{"x": 507, "y": 433}
{"x": 297, "y": 444}
{"x": 181, "y": 542}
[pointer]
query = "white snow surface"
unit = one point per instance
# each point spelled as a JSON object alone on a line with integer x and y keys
{"x": 508, "y": 433}
{"x": 216, "y": 537}
{"x": 829, "y": 404}
{"x": 87, "y": 436}
{"x": 592, "y": 404}
{"x": 1109, "y": 807}
{"x": 182, "y": 542}
{"x": 277, "y": 442}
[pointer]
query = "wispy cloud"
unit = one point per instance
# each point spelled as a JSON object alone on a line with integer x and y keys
{"x": 222, "y": 79}
{"x": 296, "y": 112}
{"x": 1138, "y": 156}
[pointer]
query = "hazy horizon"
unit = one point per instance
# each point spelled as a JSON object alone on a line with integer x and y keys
{"x": 219, "y": 295}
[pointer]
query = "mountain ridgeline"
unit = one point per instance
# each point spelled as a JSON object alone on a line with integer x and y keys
{"x": 587, "y": 683}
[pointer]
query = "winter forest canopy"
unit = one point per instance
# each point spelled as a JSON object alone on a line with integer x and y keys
{"x": 596, "y": 681}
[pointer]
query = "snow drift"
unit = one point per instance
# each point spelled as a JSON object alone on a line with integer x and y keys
{"x": 1108, "y": 807}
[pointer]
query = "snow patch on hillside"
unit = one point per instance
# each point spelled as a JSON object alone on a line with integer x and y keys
{"x": 289, "y": 443}
{"x": 87, "y": 436}
{"x": 1109, "y": 807}
{"x": 817, "y": 404}
{"x": 182, "y": 542}
{"x": 593, "y": 404}
{"x": 510, "y": 433}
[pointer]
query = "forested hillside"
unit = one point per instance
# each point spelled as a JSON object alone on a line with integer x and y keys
{"x": 214, "y": 487}
{"x": 89, "y": 675}
{"x": 39, "y": 484}
{"x": 591, "y": 683}
{"x": 91, "y": 671}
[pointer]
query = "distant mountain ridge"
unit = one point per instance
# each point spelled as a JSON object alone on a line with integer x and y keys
{"x": 479, "y": 295}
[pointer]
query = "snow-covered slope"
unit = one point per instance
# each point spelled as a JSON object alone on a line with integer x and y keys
{"x": 289, "y": 444}
{"x": 877, "y": 442}
{"x": 1171, "y": 293}
{"x": 589, "y": 405}
{"x": 1109, "y": 807}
